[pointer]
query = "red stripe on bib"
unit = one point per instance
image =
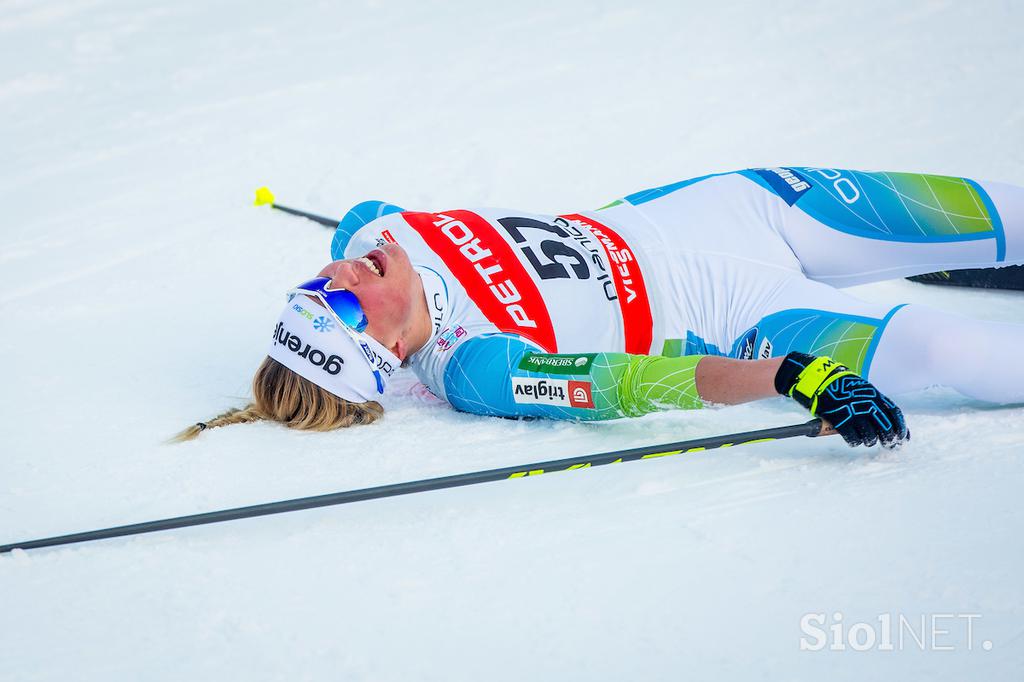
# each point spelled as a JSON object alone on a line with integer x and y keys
{"x": 490, "y": 271}
{"x": 637, "y": 321}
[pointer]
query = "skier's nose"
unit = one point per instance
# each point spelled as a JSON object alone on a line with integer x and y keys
{"x": 342, "y": 273}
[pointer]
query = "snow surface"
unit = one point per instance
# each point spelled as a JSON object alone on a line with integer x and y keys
{"x": 137, "y": 284}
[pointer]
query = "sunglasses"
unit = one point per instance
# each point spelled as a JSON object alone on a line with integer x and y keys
{"x": 342, "y": 302}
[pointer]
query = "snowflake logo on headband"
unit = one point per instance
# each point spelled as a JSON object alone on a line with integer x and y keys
{"x": 323, "y": 324}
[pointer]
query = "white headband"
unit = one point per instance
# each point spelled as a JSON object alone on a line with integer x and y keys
{"x": 314, "y": 345}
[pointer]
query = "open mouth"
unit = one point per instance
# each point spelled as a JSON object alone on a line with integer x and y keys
{"x": 375, "y": 261}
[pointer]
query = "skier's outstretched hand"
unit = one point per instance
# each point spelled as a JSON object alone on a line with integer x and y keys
{"x": 847, "y": 401}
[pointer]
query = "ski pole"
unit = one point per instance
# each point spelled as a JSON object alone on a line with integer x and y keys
{"x": 811, "y": 428}
{"x": 264, "y": 197}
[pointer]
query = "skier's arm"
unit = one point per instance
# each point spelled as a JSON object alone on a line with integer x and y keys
{"x": 503, "y": 375}
{"x": 845, "y": 400}
{"x": 728, "y": 382}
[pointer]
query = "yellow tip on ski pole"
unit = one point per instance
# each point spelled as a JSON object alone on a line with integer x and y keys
{"x": 263, "y": 197}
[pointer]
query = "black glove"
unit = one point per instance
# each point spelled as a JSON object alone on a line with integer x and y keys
{"x": 856, "y": 409}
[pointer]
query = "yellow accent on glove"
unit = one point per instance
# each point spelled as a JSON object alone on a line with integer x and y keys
{"x": 816, "y": 376}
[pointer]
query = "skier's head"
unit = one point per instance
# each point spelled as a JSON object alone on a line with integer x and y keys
{"x": 281, "y": 395}
{"x": 336, "y": 344}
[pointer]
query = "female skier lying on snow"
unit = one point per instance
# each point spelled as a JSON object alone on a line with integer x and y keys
{"x": 719, "y": 289}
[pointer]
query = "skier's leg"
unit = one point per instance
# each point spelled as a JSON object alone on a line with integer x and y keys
{"x": 852, "y": 227}
{"x": 922, "y": 346}
{"x": 899, "y": 349}
{"x": 841, "y": 227}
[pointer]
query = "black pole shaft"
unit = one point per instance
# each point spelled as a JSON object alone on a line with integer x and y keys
{"x": 327, "y": 222}
{"x": 811, "y": 428}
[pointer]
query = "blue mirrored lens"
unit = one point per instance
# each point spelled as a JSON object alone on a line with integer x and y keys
{"x": 343, "y": 303}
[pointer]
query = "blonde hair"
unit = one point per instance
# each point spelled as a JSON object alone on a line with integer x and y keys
{"x": 281, "y": 395}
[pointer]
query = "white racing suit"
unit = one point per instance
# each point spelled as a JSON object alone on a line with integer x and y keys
{"x": 602, "y": 314}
